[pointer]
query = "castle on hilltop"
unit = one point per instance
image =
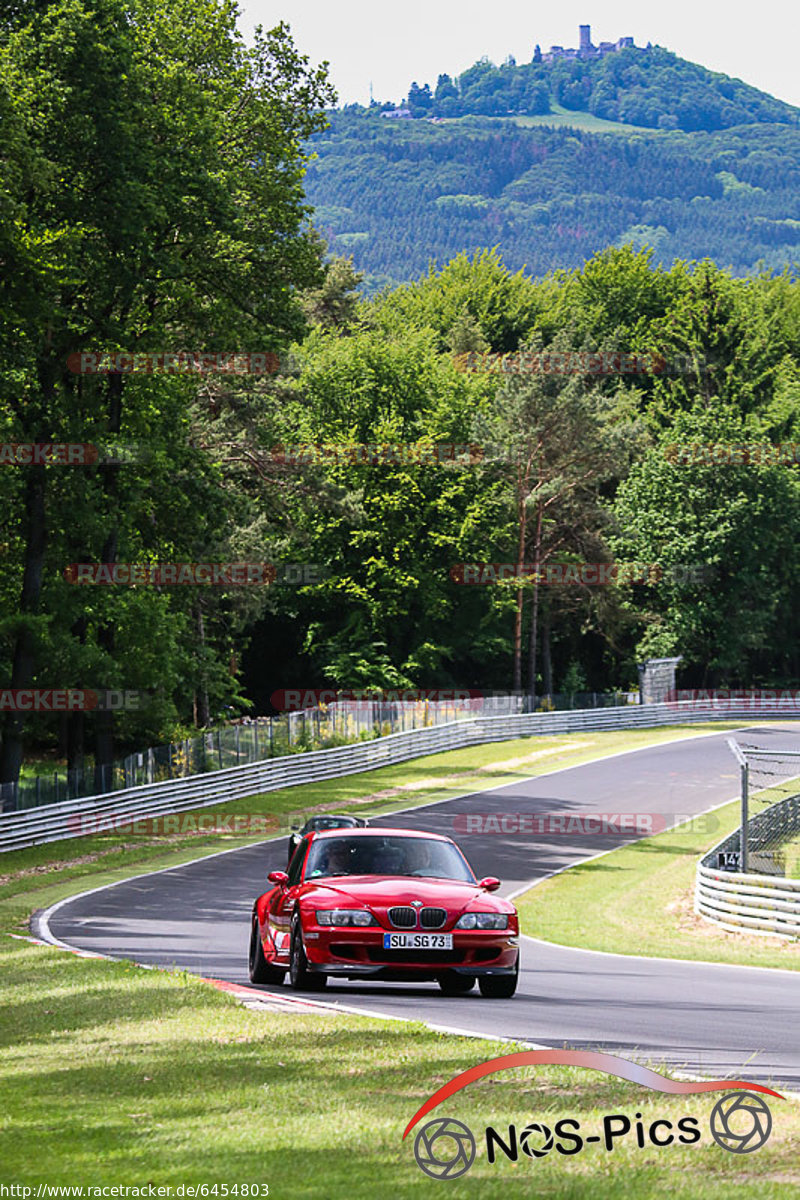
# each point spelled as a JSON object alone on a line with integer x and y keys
{"x": 586, "y": 49}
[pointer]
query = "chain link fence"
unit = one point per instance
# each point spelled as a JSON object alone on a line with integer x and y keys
{"x": 255, "y": 739}
{"x": 248, "y": 741}
{"x": 768, "y": 839}
{"x": 751, "y": 879}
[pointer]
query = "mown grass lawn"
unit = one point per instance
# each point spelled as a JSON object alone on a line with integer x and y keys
{"x": 110, "y": 1074}
{"x": 570, "y": 118}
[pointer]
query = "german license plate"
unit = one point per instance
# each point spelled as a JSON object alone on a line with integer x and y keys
{"x": 418, "y": 941}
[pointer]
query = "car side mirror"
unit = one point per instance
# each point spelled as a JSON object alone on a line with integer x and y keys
{"x": 278, "y": 877}
{"x": 489, "y": 884}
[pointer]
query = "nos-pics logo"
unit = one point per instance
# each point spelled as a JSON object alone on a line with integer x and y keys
{"x": 445, "y": 1148}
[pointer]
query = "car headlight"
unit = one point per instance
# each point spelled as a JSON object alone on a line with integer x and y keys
{"x": 483, "y": 920}
{"x": 345, "y": 916}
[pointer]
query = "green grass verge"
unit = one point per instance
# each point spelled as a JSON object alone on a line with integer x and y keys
{"x": 640, "y": 899}
{"x": 112, "y": 1075}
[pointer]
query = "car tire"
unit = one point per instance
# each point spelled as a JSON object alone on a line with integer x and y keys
{"x": 260, "y": 970}
{"x": 453, "y": 984}
{"x": 499, "y": 987}
{"x": 300, "y": 978}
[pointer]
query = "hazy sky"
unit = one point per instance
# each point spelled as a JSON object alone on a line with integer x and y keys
{"x": 392, "y": 42}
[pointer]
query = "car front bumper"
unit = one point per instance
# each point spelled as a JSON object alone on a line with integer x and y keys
{"x": 359, "y": 951}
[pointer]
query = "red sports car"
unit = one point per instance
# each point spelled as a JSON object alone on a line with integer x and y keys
{"x": 384, "y": 904}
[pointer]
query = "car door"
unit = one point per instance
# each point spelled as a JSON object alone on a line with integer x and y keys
{"x": 283, "y": 900}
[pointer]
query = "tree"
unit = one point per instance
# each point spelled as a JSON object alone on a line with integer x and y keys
{"x": 724, "y": 536}
{"x": 182, "y": 221}
{"x": 569, "y": 438}
{"x": 334, "y": 303}
{"x": 502, "y": 305}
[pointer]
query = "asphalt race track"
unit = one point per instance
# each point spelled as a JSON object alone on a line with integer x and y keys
{"x": 712, "y": 1020}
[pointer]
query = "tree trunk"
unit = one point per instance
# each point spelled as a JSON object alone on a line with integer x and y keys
{"x": 547, "y": 661}
{"x": 537, "y": 559}
{"x": 24, "y": 656}
{"x": 76, "y": 730}
{"x": 103, "y": 751}
{"x": 522, "y": 519}
{"x": 76, "y": 721}
{"x": 203, "y": 718}
{"x": 104, "y": 719}
{"x": 532, "y": 647}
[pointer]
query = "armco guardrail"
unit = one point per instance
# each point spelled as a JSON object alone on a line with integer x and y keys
{"x": 761, "y": 902}
{"x": 58, "y": 822}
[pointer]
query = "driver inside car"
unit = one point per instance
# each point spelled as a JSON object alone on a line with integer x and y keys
{"x": 337, "y": 860}
{"x": 418, "y": 859}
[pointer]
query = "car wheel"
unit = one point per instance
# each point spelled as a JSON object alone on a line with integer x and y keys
{"x": 499, "y": 987}
{"x": 300, "y": 977}
{"x": 455, "y": 985}
{"x": 260, "y": 970}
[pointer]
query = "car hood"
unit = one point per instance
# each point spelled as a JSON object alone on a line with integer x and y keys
{"x": 379, "y": 893}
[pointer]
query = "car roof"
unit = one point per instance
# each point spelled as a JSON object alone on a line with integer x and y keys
{"x": 380, "y": 830}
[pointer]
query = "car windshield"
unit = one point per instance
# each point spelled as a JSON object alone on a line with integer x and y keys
{"x": 329, "y": 822}
{"x": 387, "y": 855}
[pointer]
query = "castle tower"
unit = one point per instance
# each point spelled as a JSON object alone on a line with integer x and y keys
{"x": 586, "y": 38}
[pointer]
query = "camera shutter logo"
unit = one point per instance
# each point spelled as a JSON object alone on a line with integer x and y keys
{"x": 741, "y": 1122}
{"x": 533, "y": 1134}
{"x": 444, "y": 1148}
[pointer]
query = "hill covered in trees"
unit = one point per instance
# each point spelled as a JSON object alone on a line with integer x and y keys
{"x": 553, "y": 161}
{"x": 651, "y": 87}
{"x": 397, "y": 194}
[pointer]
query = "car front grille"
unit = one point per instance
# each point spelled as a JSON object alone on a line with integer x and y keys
{"x": 432, "y": 918}
{"x": 403, "y": 917}
{"x": 377, "y": 954}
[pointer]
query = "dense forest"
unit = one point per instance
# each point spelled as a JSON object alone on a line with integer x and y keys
{"x": 570, "y": 465}
{"x": 396, "y": 194}
{"x": 592, "y": 467}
